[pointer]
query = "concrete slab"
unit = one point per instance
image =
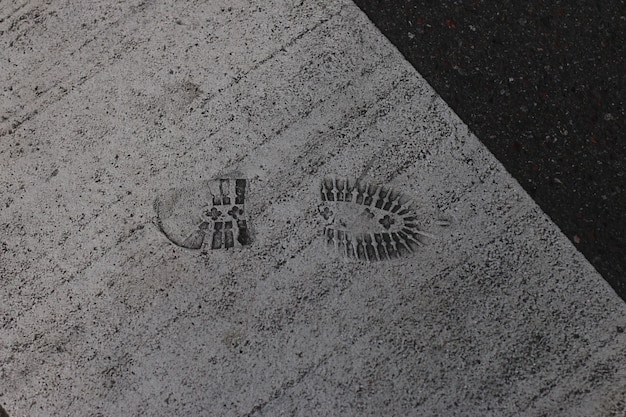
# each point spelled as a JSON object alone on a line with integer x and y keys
{"x": 109, "y": 110}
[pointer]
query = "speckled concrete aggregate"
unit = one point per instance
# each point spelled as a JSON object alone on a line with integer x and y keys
{"x": 107, "y": 110}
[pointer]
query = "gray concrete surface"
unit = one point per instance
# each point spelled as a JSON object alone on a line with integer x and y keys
{"x": 108, "y": 106}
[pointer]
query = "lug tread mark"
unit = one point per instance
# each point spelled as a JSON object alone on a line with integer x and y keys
{"x": 229, "y": 241}
{"x": 240, "y": 191}
{"x": 218, "y": 235}
{"x": 244, "y": 235}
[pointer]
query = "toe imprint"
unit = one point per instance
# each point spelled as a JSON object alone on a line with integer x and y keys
{"x": 368, "y": 221}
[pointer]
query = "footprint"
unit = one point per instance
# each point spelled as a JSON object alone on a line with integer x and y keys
{"x": 207, "y": 215}
{"x": 367, "y": 221}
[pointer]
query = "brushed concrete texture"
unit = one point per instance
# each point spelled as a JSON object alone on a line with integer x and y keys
{"x": 107, "y": 107}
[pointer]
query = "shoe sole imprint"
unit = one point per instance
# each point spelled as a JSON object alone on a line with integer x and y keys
{"x": 367, "y": 221}
{"x": 211, "y": 215}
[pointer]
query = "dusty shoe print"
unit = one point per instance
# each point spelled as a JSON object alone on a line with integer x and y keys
{"x": 209, "y": 215}
{"x": 368, "y": 221}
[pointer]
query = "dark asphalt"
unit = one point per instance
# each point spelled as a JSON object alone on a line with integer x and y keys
{"x": 541, "y": 83}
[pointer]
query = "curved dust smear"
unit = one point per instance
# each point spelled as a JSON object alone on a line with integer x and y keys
{"x": 209, "y": 215}
{"x": 367, "y": 221}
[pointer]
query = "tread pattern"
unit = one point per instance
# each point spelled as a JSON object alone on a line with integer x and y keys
{"x": 212, "y": 216}
{"x": 225, "y": 219}
{"x": 367, "y": 221}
